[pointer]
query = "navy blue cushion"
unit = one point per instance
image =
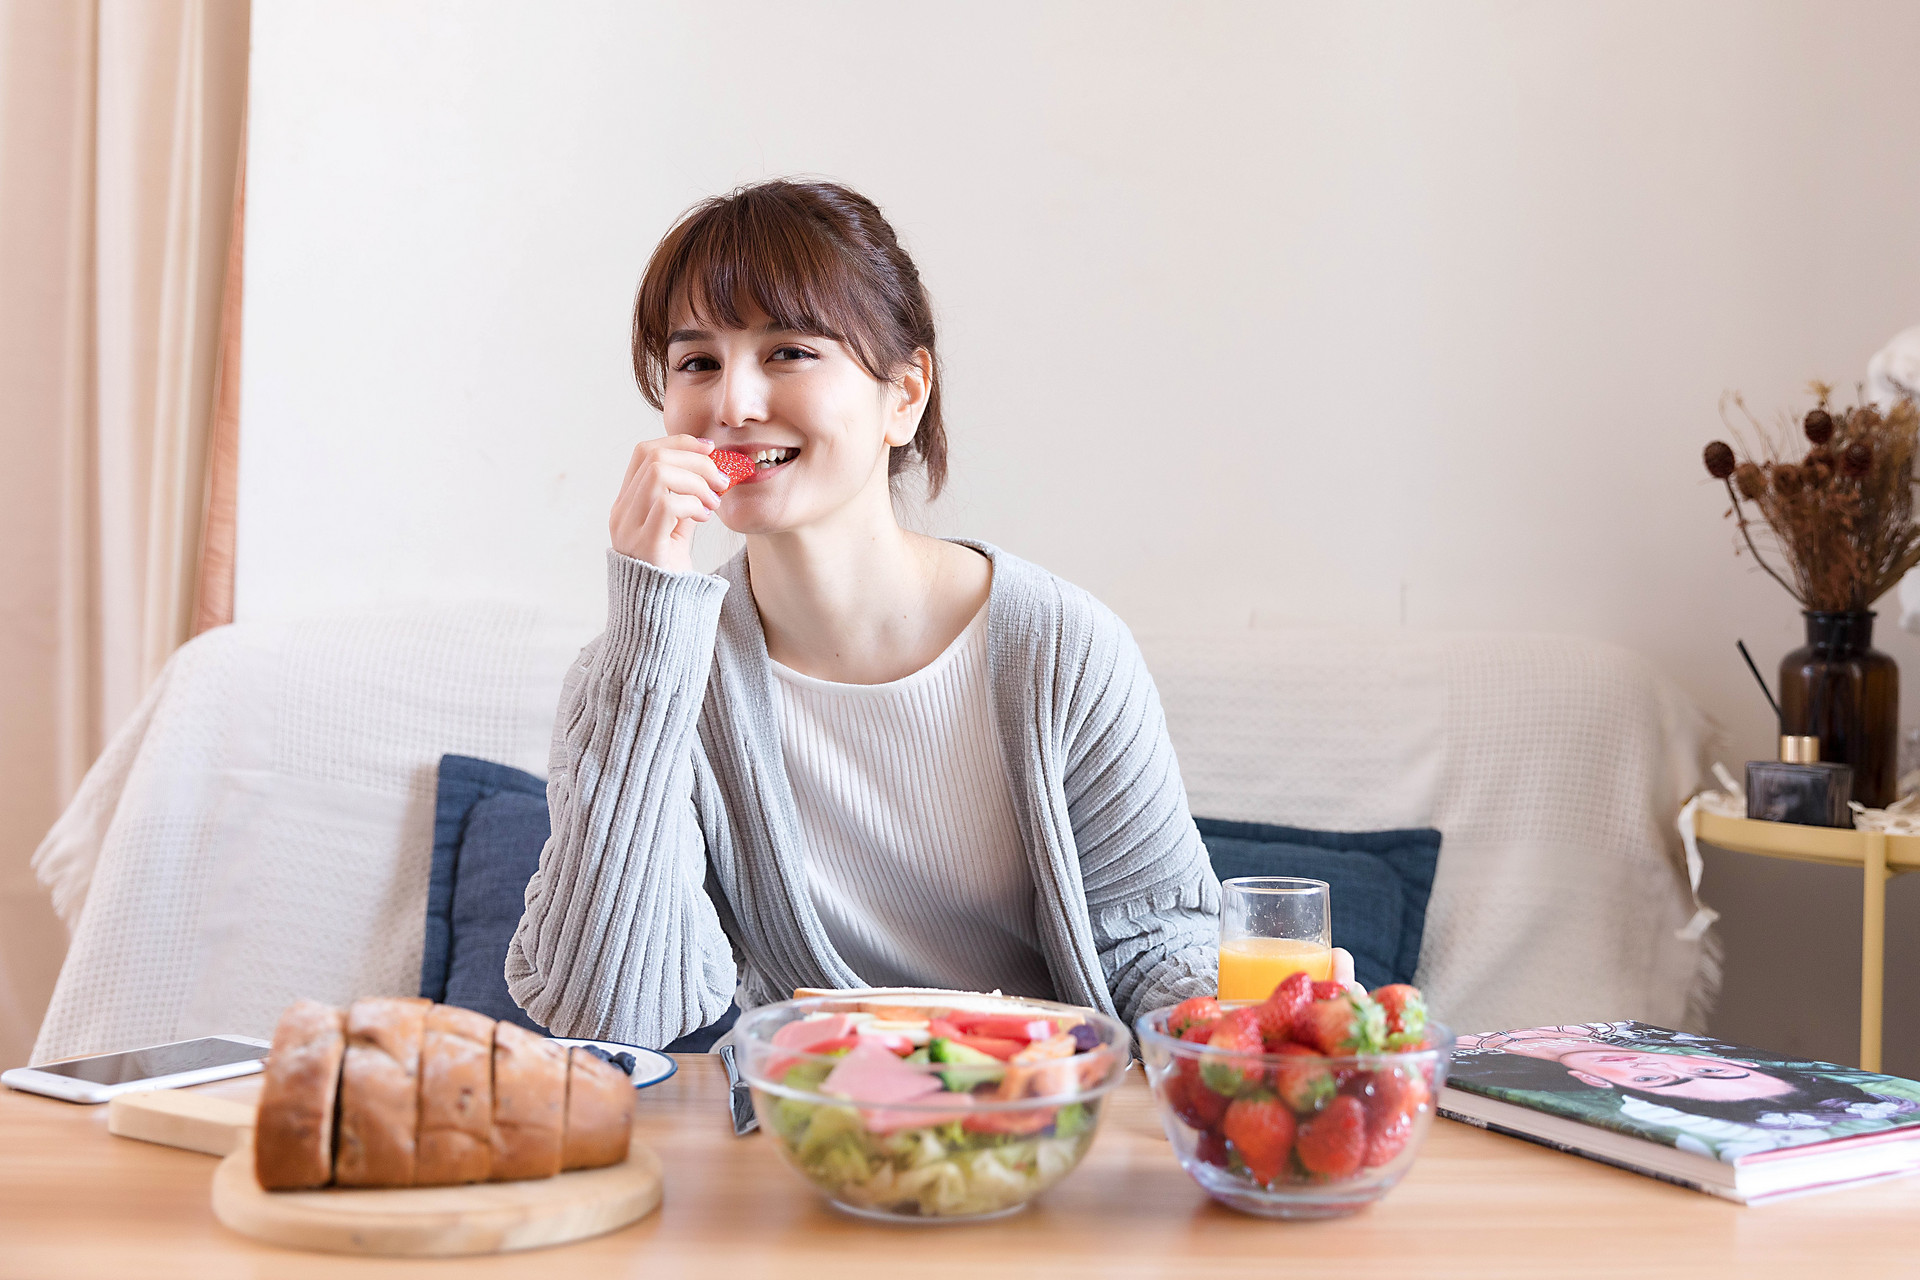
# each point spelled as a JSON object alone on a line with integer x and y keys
{"x": 490, "y": 823}
{"x": 1380, "y": 882}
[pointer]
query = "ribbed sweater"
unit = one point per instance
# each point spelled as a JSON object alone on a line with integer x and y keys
{"x": 676, "y": 874}
{"x": 913, "y": 844}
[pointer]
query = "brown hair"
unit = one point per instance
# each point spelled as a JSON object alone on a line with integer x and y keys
{"x": 817, "y": 258}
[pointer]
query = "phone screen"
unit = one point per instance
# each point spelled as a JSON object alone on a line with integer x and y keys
{"x": 160, "y": 1060}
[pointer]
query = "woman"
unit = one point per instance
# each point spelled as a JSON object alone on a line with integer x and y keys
{"x": 856, "y": 756}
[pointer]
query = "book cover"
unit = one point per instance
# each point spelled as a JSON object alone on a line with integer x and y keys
{"x": 1690, "y": 1092}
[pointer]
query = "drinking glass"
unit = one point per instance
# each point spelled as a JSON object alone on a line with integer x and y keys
{"x": 1272, "y": 926}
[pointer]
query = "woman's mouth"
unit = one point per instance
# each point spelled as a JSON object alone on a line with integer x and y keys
{"x": 767, "y": 461}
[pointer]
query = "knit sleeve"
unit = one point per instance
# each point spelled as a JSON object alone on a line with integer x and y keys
{"x": 619, "y": 939}
{"x": 1152, "y": 897}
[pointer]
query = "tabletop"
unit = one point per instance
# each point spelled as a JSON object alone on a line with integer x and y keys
{"x": 78, "y": 1202}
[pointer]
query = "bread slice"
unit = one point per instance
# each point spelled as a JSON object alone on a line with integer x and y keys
{"x": 456, "y": 1098}
{"x": 380, "y": 1092}
{"x": 599, "y": 1113}
{"x": 529, "y": 1103}
{"x": 293, "y": 1132}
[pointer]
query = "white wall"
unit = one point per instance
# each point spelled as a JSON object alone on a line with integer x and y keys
{"x": 1402, "y": 313}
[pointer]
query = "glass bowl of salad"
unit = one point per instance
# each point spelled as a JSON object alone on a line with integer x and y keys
{"x": 930, "y": 1107}
{"x": 1318, "y": 1123}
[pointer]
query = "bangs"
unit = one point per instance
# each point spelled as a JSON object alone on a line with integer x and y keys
{"x": 729, "y": 258}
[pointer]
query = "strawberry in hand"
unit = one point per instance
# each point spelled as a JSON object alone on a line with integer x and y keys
{"x": 733, "y": 464}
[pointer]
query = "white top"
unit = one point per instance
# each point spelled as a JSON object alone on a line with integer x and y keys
{"x": 914, "y": 856}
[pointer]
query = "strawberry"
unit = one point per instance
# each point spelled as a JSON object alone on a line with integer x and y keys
{"x": 1197, "y": 1106}
{"x": 1349, "y": 1024}
{"x": 1237, "y": 1033}
{"x": 1387, "y": 1140}
{"x": 733, "y": 464}
{"x": 1261, "y": 1130}
{"x": 1408, "y": 1042}
{"x": 1329, "y": 990}
{"x": 1195, "y": 1103}
{"x": 1396, "y": 1091}
{"x": 1303, "y": 1082}
{"x": 1188, "y": 1012}
{"x": 1279, "y": 1010}
{"x": 1211, "y": 1149}
{"x": 1405, "y": 1007}
{"x": 1333, "y": 1144}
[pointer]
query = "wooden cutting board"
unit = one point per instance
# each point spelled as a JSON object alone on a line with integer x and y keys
{"x": 439, "y": 1222}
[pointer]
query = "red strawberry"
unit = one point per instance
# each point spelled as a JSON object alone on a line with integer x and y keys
{"x": 1279, "y": 1010}
{"x": 1333, "y": 1144}
{"x": 1211, "y": 1149}
{"x": 1237, "y": 1033}
{"x": 1387, "y": 1140}
{"x": 1405, "y": 1007}
{"x": 1303, "y": 1082}
{"x": 1396, "y": 1091}
{"x": 1195, "y": 1103}
{"x": 1188, "y": 1012}
{"x": 734, "y": 465}
{"x": 1329, "y": 990}
{"x": 1408, "y": 1042}
{"x": 1261, "y": 1130}
{"x": 1349, "y": 1024}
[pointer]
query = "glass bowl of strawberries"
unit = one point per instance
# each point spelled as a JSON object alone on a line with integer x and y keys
{"x": 1310, "y": 1104}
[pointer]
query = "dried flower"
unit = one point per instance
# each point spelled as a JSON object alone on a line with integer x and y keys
{"x": 1835, "y": 545}
{"x": 1719, "y": 457}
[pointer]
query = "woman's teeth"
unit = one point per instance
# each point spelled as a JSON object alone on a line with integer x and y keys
{"x": 764, "y": 458}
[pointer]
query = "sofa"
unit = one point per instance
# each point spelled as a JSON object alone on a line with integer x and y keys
{"x": 261, "y": 828}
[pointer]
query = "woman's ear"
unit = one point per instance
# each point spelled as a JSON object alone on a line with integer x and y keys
{"x": 1592, "y": 1082}
{"x": 909, "y": 394}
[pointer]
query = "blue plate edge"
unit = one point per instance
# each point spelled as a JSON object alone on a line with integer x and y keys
{"x": 673, "y": 1067}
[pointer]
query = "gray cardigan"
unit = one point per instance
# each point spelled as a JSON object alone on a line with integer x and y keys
{"x": 676, "y": 868}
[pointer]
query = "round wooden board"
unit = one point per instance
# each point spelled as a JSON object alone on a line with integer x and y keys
{"x": 439, "y": 1222}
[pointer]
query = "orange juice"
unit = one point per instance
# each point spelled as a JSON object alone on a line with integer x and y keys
{"x": 1250, "y": 968}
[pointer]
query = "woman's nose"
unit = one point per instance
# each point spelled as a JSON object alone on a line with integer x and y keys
{"x": 743, "y": 394}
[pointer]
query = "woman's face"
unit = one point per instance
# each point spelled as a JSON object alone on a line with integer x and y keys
{"x": 1673, "y": 1075}
{"x": 817, "y": 426}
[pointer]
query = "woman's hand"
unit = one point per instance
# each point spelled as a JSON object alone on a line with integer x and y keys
{"x": 1343, "y": 970}
{"x": 672, "y": 487}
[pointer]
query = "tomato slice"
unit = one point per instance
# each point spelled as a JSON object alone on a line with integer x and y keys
{"x": 1004, "y": 1026}
{"x": 989, "y": 1045}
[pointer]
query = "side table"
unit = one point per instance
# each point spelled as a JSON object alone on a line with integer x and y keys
{"x": 1877, "y": 854}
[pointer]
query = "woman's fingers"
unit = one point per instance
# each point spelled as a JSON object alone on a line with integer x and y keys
{"x": 1343, "y": 970}
{"x": 671, "y": 485}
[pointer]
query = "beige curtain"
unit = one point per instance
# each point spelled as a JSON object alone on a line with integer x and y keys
{"x": 120, "y": 129}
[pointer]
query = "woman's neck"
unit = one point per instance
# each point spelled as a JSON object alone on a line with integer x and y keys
{"x": 862, "y": 601}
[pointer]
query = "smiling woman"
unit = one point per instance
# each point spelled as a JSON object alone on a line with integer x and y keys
{"x": 856, "y": 755}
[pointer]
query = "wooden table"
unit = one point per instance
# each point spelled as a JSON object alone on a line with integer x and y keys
{"x": 77, "y": 1202}
{"x": 1879, "y": 856}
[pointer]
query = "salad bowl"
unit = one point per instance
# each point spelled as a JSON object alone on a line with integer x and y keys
{"x": 930, "y": 1107}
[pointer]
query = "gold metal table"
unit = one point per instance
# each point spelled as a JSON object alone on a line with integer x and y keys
{"x": 1879, "y": 857}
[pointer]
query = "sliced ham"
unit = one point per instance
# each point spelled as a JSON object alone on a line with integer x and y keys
{"x": 872, "y": 1076}
{"x": 801, "y": 1036}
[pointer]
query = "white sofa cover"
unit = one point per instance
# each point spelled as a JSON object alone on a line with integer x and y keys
{"x": 261, "y": 829}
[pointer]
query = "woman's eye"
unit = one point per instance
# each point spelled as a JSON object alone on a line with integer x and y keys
{"x": 792, "y": 353}
{"x": 697, "y": 364}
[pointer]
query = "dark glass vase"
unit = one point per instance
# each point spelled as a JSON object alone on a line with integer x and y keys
{"x": 1843, "y": 691}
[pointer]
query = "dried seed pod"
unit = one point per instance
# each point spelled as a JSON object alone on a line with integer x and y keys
{"x": 1719, "y": 458}
{"x": 1858, "y": 459}
{"x": 1786, "y": 479}
{"x": 1750, "y": 480}
{"x": 1819, "y": 426}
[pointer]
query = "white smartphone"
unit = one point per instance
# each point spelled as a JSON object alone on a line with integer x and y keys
{"x": 160, "y": 1066}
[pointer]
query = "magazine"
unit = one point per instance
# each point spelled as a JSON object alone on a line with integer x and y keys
{"x": 1727, "y": 1119}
